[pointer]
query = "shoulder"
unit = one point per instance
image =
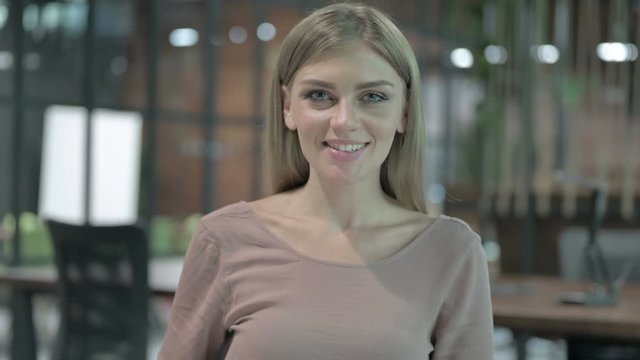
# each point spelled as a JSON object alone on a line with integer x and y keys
{"x": 453, "y": 235}
{"x": 229, "y": 221}
{"x": 457, "y": 226}
{"x": 224, "y": 215}
{"x": 275, "y": 203}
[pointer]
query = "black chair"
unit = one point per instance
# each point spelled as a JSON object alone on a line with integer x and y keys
{"x": 103, "y": 291}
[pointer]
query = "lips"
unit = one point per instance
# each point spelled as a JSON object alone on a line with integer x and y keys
{"x": 347, "y": 147}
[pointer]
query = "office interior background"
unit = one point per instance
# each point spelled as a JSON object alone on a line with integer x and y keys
{"x": 531, "y": 106}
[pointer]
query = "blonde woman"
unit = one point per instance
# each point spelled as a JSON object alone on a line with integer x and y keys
{"x": 342, "y": 262}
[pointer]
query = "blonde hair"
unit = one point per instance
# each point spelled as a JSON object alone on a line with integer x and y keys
{"x": 401, "y": 174}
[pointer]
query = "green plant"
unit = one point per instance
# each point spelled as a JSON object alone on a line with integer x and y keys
{"x": 35, "y": 243}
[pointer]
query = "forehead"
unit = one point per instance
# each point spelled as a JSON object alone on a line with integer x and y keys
{"x": 355, "y": 61}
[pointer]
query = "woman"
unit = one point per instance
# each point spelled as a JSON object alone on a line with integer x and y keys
{"x": 342, "y": 262}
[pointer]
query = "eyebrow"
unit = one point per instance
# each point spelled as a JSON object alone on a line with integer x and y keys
{"x": 328, "y": 85}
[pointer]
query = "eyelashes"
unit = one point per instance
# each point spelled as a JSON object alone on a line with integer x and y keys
{"x": 321, "y": 96}
{"x": 316, "y": 96}
{"x": 374, "y": 97}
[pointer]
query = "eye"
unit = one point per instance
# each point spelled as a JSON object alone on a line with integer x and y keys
{"x": 317, "y": 96}
{"x": 374, "y": 97}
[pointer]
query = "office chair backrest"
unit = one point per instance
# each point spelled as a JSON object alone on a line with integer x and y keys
{"x": 104, "y": 294}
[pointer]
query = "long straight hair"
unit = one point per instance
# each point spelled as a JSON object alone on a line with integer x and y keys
{"x": 401, "y": 174}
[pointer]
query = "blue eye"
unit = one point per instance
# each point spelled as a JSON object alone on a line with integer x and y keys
{"x": 374, "y": 97}
{"x": 317, "y": 96}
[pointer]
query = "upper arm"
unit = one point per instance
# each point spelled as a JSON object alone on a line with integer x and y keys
{"x": 195, "y": 329}
{"x": 464, "y": 329}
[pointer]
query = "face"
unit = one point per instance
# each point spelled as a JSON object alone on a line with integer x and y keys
{"x": 346, "y": 106}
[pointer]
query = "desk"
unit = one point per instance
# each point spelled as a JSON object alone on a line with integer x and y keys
{"x": 530, "y": 304}
{"x": 534, "y": 307}
{"x": 164, "y": 274}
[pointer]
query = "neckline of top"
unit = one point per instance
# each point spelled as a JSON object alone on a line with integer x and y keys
{"x": 388, "y": 259}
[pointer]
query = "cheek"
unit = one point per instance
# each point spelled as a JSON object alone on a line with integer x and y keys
{"x": 384, "y": 124}
{"x": 309, "y": 121}
{"x": 310, "y": 128}
{"x": 389, "y": 113}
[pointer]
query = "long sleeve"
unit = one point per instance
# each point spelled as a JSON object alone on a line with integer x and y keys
{"x": 464, "y": 329}
{"x": 196, "y": 328}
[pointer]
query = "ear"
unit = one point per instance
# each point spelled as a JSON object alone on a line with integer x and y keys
{"x": 286, "y": 108}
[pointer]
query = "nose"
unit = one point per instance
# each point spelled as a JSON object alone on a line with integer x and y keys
{"x": 345, "y": 117}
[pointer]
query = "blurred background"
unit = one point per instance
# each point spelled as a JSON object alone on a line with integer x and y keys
{"x": 531, "y": 108}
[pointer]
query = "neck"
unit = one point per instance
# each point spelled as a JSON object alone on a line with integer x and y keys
{"x": 343, "y": 206}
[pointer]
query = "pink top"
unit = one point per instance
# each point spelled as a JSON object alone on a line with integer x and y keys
{"x": 245, "y": 294}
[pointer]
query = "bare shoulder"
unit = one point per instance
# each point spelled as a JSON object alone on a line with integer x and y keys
{"x": 402, "y": 223}
{"x": 410, "y": 218}
{"x": 275, "y": 212}
{"x": 273, "y": 204}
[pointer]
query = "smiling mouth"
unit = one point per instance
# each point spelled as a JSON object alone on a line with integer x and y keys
{"x": 348, "y": 148}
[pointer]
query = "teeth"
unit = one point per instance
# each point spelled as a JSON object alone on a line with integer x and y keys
{"x": 346, "y": 147}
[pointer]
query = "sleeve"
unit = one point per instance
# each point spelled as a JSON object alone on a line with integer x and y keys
{"x": 464, "y": 329}
{"x": 195, "y": 329}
